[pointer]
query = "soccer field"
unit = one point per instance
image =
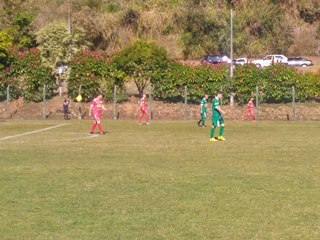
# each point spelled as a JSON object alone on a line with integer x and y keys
{"x": 163, "y": 181}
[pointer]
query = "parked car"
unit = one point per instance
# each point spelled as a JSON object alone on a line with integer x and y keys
{"x": 269, "y": 60}
{"x": 299, "y": 61}
{"x": 240, "y": 61}
{"x": 215, "y": 59}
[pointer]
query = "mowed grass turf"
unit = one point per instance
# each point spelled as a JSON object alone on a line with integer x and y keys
{"x": 164, "y": 181}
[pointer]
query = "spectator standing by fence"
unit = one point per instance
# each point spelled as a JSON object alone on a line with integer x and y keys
{"x": 66, "y": 104}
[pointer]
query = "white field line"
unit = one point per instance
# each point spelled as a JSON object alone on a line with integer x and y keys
{"x": 32, "y": 132}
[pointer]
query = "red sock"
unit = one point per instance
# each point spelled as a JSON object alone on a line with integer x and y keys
{"x": 93, "y": 127}
{"x": 100, "y": 128}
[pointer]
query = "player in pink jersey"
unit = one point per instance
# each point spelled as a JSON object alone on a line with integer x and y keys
{"x": 143, "y": 109}
{"x": 95, "y": 111}
{"x": 250, "y": 111}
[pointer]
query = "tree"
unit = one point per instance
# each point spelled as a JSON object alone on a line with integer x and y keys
{"x": 16, "y": 18}
{"x": 142, "y": 62}
{"x": 57, "y": 46}
{"x": 5, "y": 42}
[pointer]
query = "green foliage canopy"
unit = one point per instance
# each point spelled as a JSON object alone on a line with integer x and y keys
{"x": 5, "y": 43}
{"x": 95, "y": 73}
{"x": 57, "y": 46}
{"x": 27, "y": 75}
{"x": 142, "y": 62}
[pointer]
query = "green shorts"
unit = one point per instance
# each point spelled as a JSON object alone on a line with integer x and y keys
{"x": 217, "y": 122}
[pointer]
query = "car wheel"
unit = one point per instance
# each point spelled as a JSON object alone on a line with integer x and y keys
{"x": 303, "y": 65}
{"x": 258, "y": 65}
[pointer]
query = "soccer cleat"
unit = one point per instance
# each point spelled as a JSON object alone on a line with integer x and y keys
{"x": 147, "y": 123}
{"x": 102, "y": 133}
{"x": 91, "y": 132}
{"x": 213, "y": 140}
{"x": 221, "y": 138}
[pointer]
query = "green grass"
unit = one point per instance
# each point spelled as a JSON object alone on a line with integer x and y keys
{"x": 164, "y": 181}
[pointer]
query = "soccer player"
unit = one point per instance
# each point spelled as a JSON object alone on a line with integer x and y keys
{"x": 249, "y": 112}
{"x": 203, "y": 111}
{"x": 143, "y": 109}
{"x": 217, "y": 119}
{"x": 95, "y": 111}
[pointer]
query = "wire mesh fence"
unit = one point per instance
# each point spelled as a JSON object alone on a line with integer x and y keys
{"x": 13, "y": 107}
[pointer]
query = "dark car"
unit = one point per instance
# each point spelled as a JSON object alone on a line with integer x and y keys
{"x": 299, "y": 61}
{"x": 215, "y": 59}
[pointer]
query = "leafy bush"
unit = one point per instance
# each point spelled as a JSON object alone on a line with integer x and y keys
{"x": 199, "y": 80}
{"x": 95, "y": 73}
{"x": 308, "y": 86}
{"x": 27, "y": 76}
{"x": 275, "y": 84}
{"x": 5, "y": 43}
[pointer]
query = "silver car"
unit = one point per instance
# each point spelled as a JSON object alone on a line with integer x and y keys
{"x": 299, "y": 62}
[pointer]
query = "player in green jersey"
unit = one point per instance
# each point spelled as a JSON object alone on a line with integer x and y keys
{"x": 203, "y": 111}
{"x": 217, "y": 119}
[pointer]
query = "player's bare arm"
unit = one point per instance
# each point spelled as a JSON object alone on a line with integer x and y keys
{"x": 90, "y": 110}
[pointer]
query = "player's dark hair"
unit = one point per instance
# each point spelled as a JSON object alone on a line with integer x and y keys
{"x": 219, "y": 93}
{"x": 100, "y": 94}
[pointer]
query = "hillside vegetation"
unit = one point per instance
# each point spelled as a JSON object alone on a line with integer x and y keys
{"x": 187, "y": 29}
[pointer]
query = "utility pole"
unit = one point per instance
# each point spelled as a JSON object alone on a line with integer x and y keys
{"x": 231, "y": 55}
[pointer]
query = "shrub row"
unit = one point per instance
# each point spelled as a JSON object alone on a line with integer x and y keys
{"x": 26, "y": 76}
{"x": 274, "y": 83}
{"x": 96, "y": 72}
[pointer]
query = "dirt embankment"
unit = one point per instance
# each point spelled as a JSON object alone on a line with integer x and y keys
{"x": 160, "y": 110}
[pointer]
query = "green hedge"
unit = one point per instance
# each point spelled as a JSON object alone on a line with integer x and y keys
{"x": 199, "y": 80}
{"x": 26, "y": 76}
{"x": 96, "y": 73}
{"x": 275, "y": 83}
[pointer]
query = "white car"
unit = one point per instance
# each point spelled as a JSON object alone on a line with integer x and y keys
{"x": 299, "y": 62}
{"x": 269, "y": 60}
{"x": 240, "y": 61}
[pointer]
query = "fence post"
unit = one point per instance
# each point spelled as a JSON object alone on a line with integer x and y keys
{"x": 293, "y": 103}
{"x": 150, "y": 103}
{"x": 44, "y": 113}
{"x": 8, "y": 93}
{"x": 114, "y": 102}
{"x": 185, "y": 103}
{"x": 257, "y": 103}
